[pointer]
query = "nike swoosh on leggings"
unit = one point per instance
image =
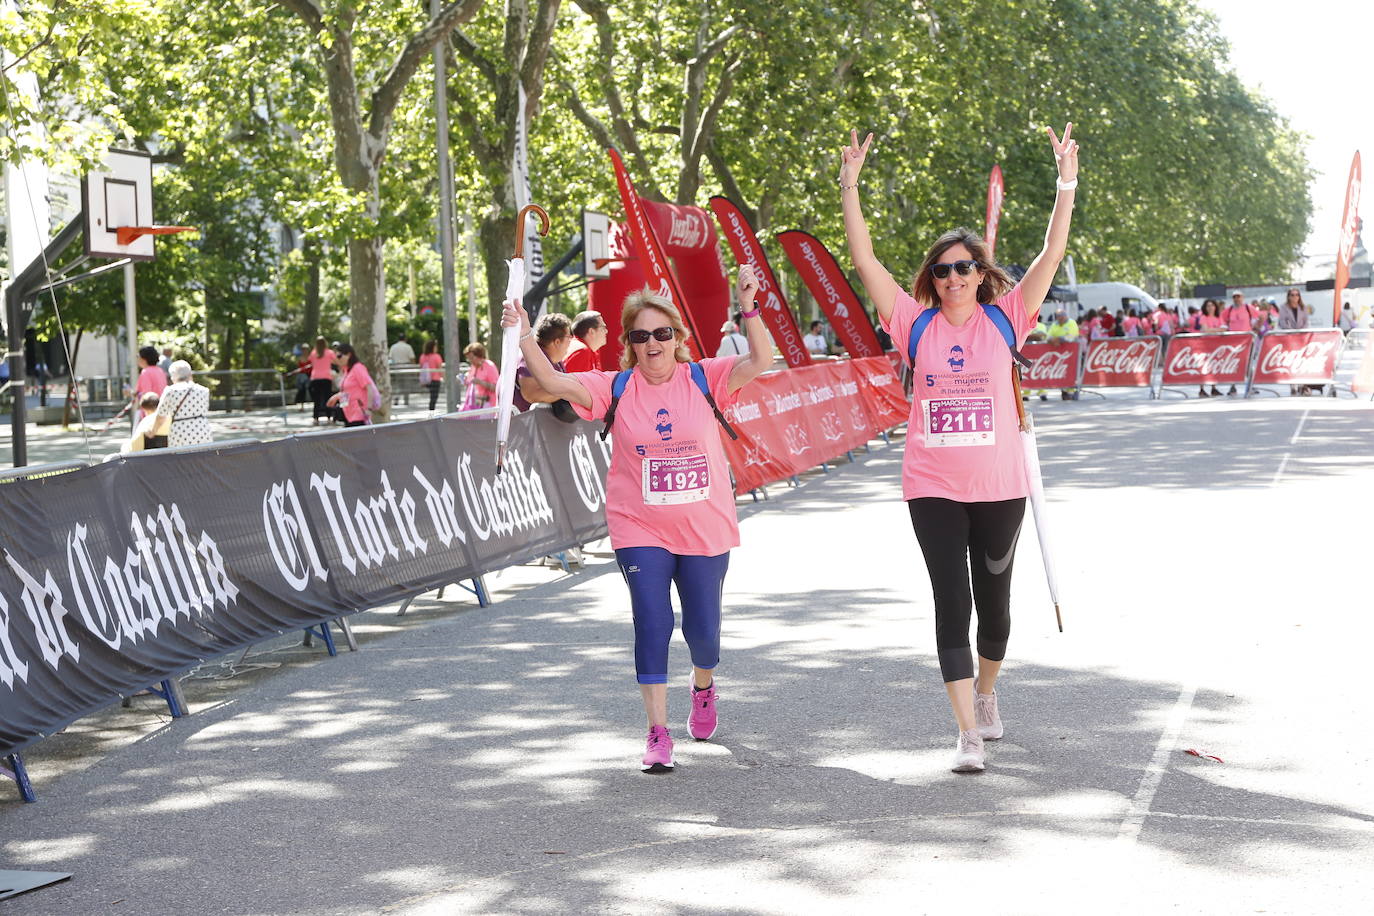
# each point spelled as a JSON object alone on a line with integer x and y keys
{"x": 997, "y": 567}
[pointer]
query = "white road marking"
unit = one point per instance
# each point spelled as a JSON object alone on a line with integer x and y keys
{"x": 1154, "y": 772}
{"x": 1292, "y": 440}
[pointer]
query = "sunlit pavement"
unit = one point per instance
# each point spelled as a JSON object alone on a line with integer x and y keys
{"x": 1214, "y": 559}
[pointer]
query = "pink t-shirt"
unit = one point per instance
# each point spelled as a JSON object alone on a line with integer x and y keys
{"x": 1130, "y": 327}
{"x": 355, "y": 387}
{"x": 963, "y": 439}
{"x": 1239, "y": 317}
{"x": 151, "y": 378}
{"x": 478, "y": 397}
{"x": 669, "y": 484}
{"x": 321, "y": 366}
{"x": 1208, "y": 321}
{"x": 1164, "y": 322}
{"x": 428, "y": 363}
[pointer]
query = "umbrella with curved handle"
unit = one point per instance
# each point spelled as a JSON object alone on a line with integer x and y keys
{"x": 510, "y": 341}
{"x": 1037, "y": 497}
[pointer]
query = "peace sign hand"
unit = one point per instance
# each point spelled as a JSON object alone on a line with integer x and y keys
{"x": 852, "y": 158}
{"x": 1065, "y": 153}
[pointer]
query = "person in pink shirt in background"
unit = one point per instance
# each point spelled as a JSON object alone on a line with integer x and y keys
{"x": 482, "y": 378}
{"x": 432, "y": 371}
{"x": 356, "y": 390}
{"x": 151, "y": 379}
{"x": 670, "y": 507}
{"x": 321, "y": 360}
{"x": 964, "y": 473}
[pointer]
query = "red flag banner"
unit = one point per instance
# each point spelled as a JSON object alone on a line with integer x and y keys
{"x": 1053, "y": 365}
{"x": 996, "y": 194}
{"x": 1212, "y": 359}
{"x": 822, "y": 275}
{"x": 1350, "y": 224}
{"x": 657, "y": 270}
{"x": 1298, "y": 357}
{"x": 1121, "y": 362}
{"x": 744, "y": 244}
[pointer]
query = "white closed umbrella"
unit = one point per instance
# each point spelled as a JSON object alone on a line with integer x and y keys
{"x": 510, "y": 340}
{"x": 1036, "y": 487}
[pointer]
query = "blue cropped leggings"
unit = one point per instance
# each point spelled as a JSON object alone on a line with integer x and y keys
{"x": 649, "y": 572}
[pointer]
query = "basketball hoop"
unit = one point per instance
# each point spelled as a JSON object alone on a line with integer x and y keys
{"x": 603, "y": 262}
{"x": 126, "y": 235}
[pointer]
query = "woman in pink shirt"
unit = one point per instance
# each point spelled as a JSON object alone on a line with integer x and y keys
{"x": 670, "y": 507}
{"x": 321, "y": 360}
{"x": 150, "y": 377}
{"x": 355, "y": 390}
{"x": 431, "y": 371}
{"x": 482, "y": 378}
{"x": 964, "y": 475}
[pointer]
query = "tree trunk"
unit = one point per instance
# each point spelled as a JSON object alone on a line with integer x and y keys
{"x": 367, "y": 312}
{"x": 496, "y": 235}
{"x": 311, "y": 254}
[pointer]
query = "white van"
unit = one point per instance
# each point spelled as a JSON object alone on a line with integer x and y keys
{"x": 1113, "y": 297}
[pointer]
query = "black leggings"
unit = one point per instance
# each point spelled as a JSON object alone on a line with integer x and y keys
{"x": 320, "y": 390}
{"x": 949, "y": 532}
{"x": 433, "y": 395}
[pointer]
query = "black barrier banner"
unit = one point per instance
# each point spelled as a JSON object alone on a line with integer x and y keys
{"x": 116, "y": 576}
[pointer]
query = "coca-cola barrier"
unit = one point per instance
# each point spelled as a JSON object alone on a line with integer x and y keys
{"x": 1053, "y": 365}
{"x": 1208, "y": 359}
{"x": 1121, "y": 362}
{"x": 796, "y": 419}
{"x": 1298, "y": 357}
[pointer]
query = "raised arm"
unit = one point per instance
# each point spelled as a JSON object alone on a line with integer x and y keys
{"x": 1036, "y": 284}
{"x": 751, "y": 365}
{"x": 882, "y": 289}
{"x": 555, "y": 383}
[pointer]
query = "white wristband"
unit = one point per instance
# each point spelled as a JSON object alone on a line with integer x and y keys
{"x": 527, "y": 335}
{"x": 1065, "y": 185}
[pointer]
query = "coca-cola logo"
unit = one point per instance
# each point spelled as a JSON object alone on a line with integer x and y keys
{"x": 1307, "y": 361}
{"x": 687, "y": 230}
{"x": 1051, "y": 366}
{"x": 1135, "y": 358}
{"x": 1224, "y": 360}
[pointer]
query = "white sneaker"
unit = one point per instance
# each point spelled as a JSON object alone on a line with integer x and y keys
{"x": 985, "y": 714}
{"x": 968, "y": 755}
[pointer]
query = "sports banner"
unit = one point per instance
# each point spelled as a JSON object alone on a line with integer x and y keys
{"x": 1213, "y": 359}
{"x": 1298, "y": 357}
{"x": 828, "y": 285}
{"x": 1350, "y": 227}
{"x": 791, "y": 421}
{"x": 654, "y": 262}
{"x": 1053, "y": 365}
{"x": 996, "y": 193}
{"x": 1121, "y": 362}
{"x": 744, "y": 245}
{"x": 119, "y": 575}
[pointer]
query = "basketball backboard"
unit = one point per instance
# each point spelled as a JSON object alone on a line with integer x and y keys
{"x": 596, "y": 245}
{"x": 119, "y": 194}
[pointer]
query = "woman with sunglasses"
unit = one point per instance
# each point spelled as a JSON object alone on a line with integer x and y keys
{"x": 670, "y": 507}
{"x": 963, "y": 475}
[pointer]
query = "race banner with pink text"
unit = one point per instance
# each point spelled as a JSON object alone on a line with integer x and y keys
{"x": 1212, "y": 359}
{"x": 1053, "y": 365}
{"x": 1121, "y": 362}
{"x": 744, "y": 244}
{"x": 830, "y": 288}
{"x": 1298, "y": 357}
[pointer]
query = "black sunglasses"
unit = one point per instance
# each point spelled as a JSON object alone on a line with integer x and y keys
{"x": 639, "y": 335}
{"x": 962, "y": 268}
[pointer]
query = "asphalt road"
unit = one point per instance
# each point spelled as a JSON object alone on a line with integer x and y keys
{"x": 1215, "y": 560}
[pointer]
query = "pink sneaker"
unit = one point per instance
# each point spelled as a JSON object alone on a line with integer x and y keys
{"x": 658, "y": 751}
{"x": 701, "y": 724}
{"x": 986, "y": 715}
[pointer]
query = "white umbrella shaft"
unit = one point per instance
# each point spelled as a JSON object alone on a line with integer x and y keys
{"x": 1037, "y": 500}
{"x": 510, "y": 357}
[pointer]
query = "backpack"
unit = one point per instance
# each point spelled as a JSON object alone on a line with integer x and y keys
{"x": 622, "y": 379}
{"x": 994, "y": 312}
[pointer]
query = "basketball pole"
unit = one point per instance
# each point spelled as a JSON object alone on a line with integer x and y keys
{"x": 131, "y": 331}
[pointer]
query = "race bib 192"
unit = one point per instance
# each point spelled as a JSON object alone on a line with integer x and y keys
{"x": 673, "y": 481}
{"x": 958, "y": 421}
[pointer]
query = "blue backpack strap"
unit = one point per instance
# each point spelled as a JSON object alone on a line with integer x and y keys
{"x": 622, "y": 378}
{"x": 699, "y": 376}
{"x": 995, "y": 314}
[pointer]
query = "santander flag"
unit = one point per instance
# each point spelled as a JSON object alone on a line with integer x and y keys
{"x": 996, "y": 192}
{"x": 1350, "y": 221}
{"x": 657, "y": 270}
{"x": 823, "y": 277}
{"x": 744, "y": 244}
